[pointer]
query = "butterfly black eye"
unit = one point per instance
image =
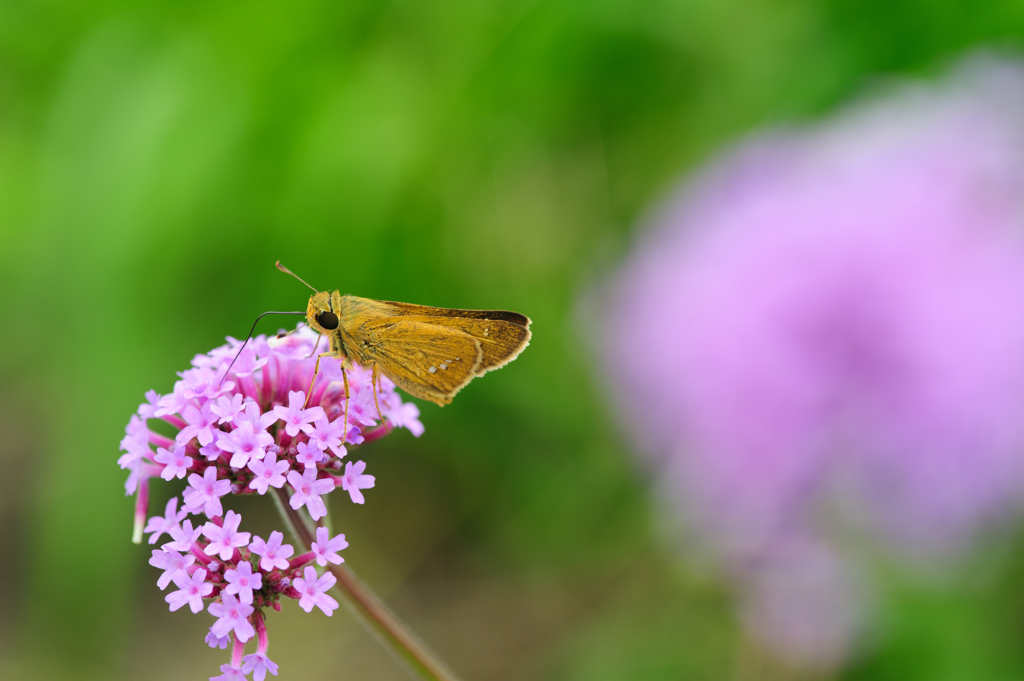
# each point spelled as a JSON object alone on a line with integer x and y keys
{"x": 328, "y": 320}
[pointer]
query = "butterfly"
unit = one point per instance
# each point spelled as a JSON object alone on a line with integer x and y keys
{"x": 429, "y": 352}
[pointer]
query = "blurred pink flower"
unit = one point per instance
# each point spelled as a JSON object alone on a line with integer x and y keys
{"x": 823, "y": 337}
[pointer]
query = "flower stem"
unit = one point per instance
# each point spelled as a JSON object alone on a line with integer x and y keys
{"x": 141, "y": 509}
{"x": 237, "y": 650}
{"x": 366, "y": 607}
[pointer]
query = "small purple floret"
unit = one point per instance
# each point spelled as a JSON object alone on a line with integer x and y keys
{"x": 259, "y": 664}
{"x": 273, "y": 553}
{"x": 205, "y": 493}
{"x": 242, "y": 582}
{"x": 245, "y": 443}
{"x": 309, "y": 455}
{"x": 184, "y": 536}
{"x": 226, "y": 538}
{"x": 268, "y": 472}
{"x": 172, "y": 563}
{"x": 215, "y": 641}
{"x": 295, "y": 417}
{"x": 326, "y": 549}
{"x": 307, "y": 492}
{"x": 201, "y": 423}
{"x": 192, "y": 591}
{"x": 354, "y": 480}
{"x": 229, "y": 673}
{"x": 227, "y": 408}
{"x": 166, "y": 523}
{"x": 232, "y": 616}
{"x": 175, "y": 462}
{"x": 312, "y": 590}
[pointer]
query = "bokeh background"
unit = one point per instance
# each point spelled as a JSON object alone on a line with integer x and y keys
{"x": 155, "y": 160}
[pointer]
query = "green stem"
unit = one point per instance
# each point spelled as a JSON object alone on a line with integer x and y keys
{"x": 365, "y": 605}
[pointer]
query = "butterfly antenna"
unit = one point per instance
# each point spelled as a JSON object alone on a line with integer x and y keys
{"x": 247, "y": 340}
{"x": 288, "y": 271}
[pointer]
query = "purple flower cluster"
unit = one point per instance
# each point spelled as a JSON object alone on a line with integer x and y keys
{"x": 244, "y": 433}
{"x": 820, "y": 346}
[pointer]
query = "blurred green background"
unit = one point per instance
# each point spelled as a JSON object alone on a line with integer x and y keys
{"x": 155, "y": 160}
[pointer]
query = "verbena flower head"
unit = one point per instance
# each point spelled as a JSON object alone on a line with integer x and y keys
{"x": 823, "y": 337}
{"x": 252, "y": 431}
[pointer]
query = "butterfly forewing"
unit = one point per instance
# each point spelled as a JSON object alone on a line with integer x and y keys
{"x": 425, "y": 360}
{"x": 427, "y": 311}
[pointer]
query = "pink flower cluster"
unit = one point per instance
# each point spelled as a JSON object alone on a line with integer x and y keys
{"x": 244, "y": 433}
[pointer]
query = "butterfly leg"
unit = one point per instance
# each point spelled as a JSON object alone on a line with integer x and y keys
{"x": 374, "y": 380}
{"x": 344, "y": 377}
{"x": 285, "y": 334}
{"x": 315, "y": 345}
{"x": 316, "y": 370}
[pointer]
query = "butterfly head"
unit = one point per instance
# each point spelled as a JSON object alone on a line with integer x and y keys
{"x": 324, "y": 306}
{"x": 322, "y": 312}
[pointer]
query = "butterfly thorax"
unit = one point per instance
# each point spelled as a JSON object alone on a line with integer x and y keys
{"x": 358, "y": 334}
{"x": 342, "y": 318}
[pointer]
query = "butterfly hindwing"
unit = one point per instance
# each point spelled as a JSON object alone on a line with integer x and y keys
{"x": 500, "y": 341}
{"x": 425, "y": 360}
